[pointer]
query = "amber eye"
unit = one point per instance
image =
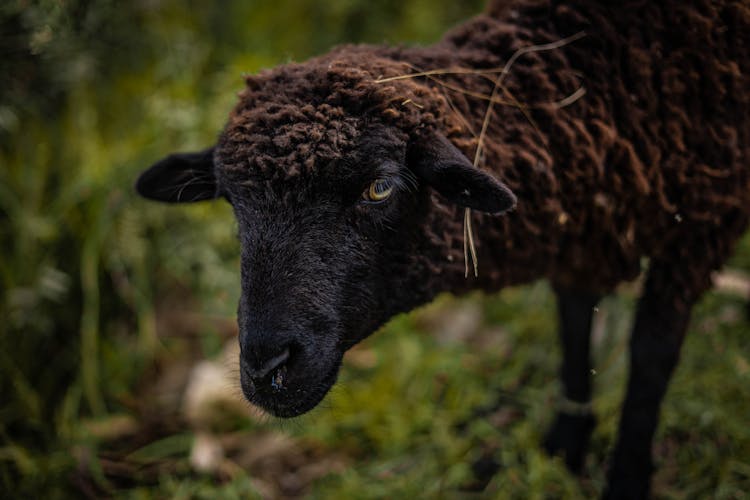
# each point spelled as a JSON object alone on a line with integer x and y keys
{"x": 378, "y": 191}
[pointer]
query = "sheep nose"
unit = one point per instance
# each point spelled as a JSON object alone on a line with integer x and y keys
{"x": 267, "y": 366}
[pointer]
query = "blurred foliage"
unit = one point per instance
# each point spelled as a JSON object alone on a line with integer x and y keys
{"x": 108, "y": 301}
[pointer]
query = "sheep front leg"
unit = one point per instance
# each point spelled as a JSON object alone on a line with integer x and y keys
{"x": 570, "y": 432}
{"x": 661, "y": 321}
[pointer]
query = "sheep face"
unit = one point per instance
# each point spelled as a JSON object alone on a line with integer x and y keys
{"x": 324, "y": 255}
{"x": 334, "y": 215}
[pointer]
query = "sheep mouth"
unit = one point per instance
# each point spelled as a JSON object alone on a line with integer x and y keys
{"x": 294, "y": 399}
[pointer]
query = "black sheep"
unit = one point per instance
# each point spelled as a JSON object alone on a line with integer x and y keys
{"x": 626, "y": 136}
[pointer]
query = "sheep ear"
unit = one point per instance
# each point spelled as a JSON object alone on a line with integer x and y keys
{"x": 441, "y": 165}
{"x": 180, "y": 178}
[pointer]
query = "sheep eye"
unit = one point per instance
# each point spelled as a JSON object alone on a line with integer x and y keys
{"x": 378, "y": 191}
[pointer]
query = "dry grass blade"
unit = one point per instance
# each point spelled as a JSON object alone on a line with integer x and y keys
{"x": 539, "y": 48}
{"x": 468, "y": 230}
{"x": 562, "y": 103}
{"x": 570, "y": 99}
{"x": 502, "y": 70}
{"x": 469, "y": 238}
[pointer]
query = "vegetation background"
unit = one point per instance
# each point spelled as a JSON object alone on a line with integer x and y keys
{"x": 117, "y": 371}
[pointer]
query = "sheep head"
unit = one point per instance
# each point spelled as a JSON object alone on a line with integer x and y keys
{"x": 334, "y": 197}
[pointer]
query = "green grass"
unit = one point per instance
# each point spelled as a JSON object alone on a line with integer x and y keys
{"x": 109, "y": 303}
{"x": 405, "y": 420}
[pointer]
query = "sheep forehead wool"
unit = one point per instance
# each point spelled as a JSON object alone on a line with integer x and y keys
{"x": 296, "y": 120}
{"x": 275, "y": 141}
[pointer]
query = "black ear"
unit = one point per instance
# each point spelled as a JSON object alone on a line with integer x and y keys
{"x": 441, "y": 165}
{"x": 180, "y": 178}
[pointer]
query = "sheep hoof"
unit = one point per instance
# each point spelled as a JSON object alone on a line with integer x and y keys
{"x": 569, "y": 438}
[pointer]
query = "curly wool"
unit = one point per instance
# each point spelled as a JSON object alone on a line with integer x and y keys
{"x": 651, "y": 162}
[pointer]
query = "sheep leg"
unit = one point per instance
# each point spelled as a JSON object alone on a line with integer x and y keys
{"x": 661, "y": 321}
{"x": 570, "y": 432}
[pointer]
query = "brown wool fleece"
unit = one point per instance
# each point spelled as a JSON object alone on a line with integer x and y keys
{"x": 652, "y": 161}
